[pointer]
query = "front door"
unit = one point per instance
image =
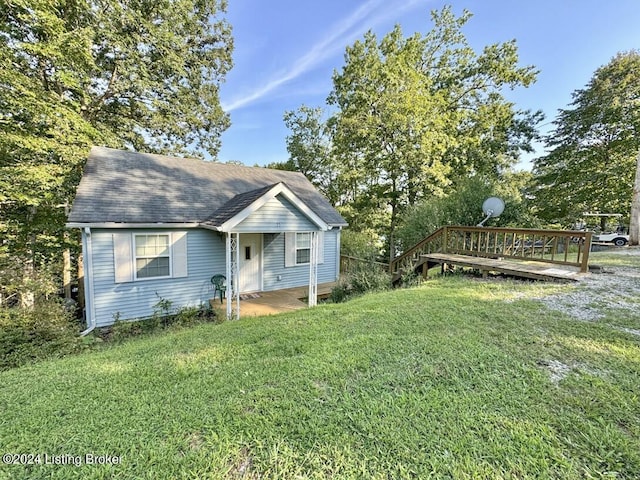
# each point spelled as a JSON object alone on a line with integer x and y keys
{"x": 250, "y": 265}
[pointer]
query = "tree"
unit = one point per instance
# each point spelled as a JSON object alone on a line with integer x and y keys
{"x": 592, "y": 149}
{"x": 416, "y": 112}
{"x": 310, "y": 150}
{"x": 138, "y": 74}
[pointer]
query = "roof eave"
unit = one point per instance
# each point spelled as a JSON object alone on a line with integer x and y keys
{"x": 132, "y": 224}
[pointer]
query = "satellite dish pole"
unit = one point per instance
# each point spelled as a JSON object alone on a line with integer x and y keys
{"x": 492, "y": 207}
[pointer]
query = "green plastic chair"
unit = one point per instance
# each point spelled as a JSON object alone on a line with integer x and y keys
{"x": 219, "y": 285}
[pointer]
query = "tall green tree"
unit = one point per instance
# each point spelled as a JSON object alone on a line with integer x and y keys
{"x": 138, "y": 74}
{"x": 593, "y": 148}
{"x": 415, "y": 112}
{"x": 309, "y": 145}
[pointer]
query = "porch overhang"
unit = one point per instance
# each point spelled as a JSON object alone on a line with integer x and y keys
{"x": 232, "y": 270}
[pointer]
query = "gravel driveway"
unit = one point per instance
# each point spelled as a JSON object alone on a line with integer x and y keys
{"x": 611, "y": 296}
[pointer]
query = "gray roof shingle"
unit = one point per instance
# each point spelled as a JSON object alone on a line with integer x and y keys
{"x": 127, "y": 187}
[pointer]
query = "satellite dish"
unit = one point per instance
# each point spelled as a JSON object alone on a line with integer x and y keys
{"x": 492, "y": 207}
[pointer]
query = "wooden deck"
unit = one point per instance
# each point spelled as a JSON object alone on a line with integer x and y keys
{"x": 278, "y": 301}
{"x": 516, "y": 268}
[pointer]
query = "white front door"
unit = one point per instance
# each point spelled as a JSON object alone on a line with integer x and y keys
{"x": 250, "y": 265}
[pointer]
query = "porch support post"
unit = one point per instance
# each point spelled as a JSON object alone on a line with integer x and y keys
{"x": 313, "y": 270}
{"x": 233, "y": 291}
{"x": 228, "y": 274}
{"x": 236, "y": 275}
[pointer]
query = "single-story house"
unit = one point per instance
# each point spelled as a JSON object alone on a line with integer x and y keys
{"x": 157, "y": 227}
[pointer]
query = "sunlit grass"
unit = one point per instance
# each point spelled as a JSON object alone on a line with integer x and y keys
{"x": 447, "y": 380}
{"x": 616, "y": 257}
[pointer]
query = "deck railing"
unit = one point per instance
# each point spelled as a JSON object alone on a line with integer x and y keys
{"x": 350, "y": 264}
{"x": 560, "y": 247}
{"x": 430, "y": 244}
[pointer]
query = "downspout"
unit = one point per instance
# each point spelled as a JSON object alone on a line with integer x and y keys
{"x": 87, "y": 250}
{"x": 338, "y": 239}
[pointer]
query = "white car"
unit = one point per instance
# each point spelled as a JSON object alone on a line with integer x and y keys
{"x": 617, "y": 239}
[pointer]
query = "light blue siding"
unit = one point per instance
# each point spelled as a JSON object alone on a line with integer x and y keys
{"x": 298, "y": 276}
{"x": 277, "y": 215}
{"x": 205, "y": 257}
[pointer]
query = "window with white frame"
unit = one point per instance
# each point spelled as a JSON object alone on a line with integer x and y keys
{"x": 152, "y": 256}
{"x": 303, "y": 248}
{"x": 297, "y": 248}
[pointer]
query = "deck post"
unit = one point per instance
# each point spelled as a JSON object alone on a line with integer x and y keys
{"x": 445, "y": 232}
{"x": 586, "y": 248}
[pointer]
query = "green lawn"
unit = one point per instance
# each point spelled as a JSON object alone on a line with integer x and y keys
{"x": 458, "y": 378}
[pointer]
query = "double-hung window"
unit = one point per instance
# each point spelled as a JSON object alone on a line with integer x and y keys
{"x": 297, "y": 248}
{"x": 303, "y": 248}
{"x": 149, "y": 256}
{"x": 152, "y": 256}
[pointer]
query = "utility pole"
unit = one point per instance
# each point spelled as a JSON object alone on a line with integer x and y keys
{"x": 634, "y": 221}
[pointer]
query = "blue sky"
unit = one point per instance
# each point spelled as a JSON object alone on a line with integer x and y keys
{"x": 286, "y": 52}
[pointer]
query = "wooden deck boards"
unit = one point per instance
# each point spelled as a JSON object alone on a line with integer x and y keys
{"x": 516, "y": 268}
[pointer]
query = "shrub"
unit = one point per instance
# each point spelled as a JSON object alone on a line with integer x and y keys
{"x": 31, "y": 334}
{"x": 411, "y": 279}
{"x": 193, "y": 315}
{"x": 373, "y": 280}
{"x": 123, "y": 329}
{"x": 359, "y": 281}
{"x": 339, "y": 292}
{"x": 361, "y": 244}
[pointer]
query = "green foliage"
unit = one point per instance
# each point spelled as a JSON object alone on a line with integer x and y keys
{"x": 309, "y": 147}
{"x": 414, "y": 113}
{"x": 360, "y": 244}
{"x": 14, "y": 282}
{"x": 163, "y": 317}
{"x": 141, "y": 75}
{"x": 162, "y": 310}
{"x": 463, "y": 206}
{"x": 593, "y": 146}
{"x": 29, "y": 335}
{"x": 363, "y": 279}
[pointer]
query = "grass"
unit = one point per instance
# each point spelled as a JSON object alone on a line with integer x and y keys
{"x": 457, "y": 378}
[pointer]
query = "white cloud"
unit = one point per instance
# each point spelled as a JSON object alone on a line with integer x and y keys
{"x": 342, "y": 33}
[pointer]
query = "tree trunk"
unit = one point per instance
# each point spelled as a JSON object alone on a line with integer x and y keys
{"x": 392, "y": 232}
{"x": 27, "y": 295}
{"x": 66, "y": 272}
{"x": 66, "y": 260}
{"x": 634, "y": 223}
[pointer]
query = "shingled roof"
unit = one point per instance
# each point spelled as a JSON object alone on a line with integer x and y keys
{"x": 127, "y": 187}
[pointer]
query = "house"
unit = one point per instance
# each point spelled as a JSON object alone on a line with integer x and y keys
{"x": 157, "y": 227}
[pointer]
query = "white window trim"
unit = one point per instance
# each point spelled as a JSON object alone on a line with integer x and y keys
{"x": 291, "y": 244}
{"x": 296, "y": 248}
{"x": 136, "y": 257}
